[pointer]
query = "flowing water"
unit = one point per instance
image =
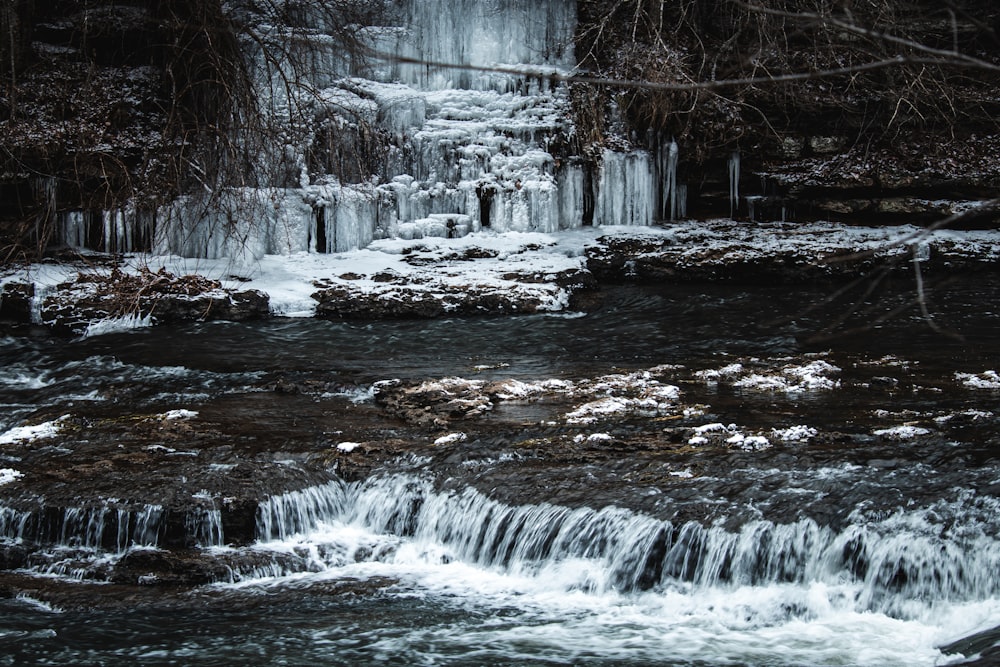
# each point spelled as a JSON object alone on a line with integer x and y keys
{"x": 869, "y": 544}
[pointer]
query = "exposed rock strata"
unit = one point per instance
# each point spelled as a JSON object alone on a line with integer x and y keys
{"x": 72, "y": 307}
{"x": 647, "y": 424}
{"x": 443, "y": 282}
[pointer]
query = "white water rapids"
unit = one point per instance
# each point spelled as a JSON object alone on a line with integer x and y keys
{"x": 864, "y": 534}
{"x": 611, "y": 582}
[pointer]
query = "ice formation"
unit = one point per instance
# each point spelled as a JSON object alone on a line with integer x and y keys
{"x": 734, "y": 183}
{"x": 399, "y": 145}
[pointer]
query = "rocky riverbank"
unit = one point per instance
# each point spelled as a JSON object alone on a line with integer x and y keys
{"x": 125, "y": 485}
{"x": 479, "y": 275}
{"x": 109, "y": 493}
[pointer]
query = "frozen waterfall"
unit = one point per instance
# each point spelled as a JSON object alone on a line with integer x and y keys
{"x": 398, "y": 144}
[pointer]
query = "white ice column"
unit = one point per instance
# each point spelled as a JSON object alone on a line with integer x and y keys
{"x": 671, "y": 204}
{"x": 533, "y": 206}
{"x": 73, "y": 228}
{"x": 625, "y": 189}
{"x": 734, "y": 183}
{"x": 571, "y": 181}
{"x": 482, "y": 33}
{"x": 351, "y": 219}
{"x": 241, "y": 223}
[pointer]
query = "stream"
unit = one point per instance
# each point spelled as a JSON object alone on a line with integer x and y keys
{"x": 844, "y": 518}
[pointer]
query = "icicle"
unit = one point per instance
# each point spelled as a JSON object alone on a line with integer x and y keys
{"x": 734, "y": 183}
{"x": 571, "y": 197}
{"x": 670, "y": 200}
{"x": 73, "y": 229}
{"x": 682, "y": 209}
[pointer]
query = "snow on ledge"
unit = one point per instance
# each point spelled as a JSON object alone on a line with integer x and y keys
{"x": 22, "y": 434}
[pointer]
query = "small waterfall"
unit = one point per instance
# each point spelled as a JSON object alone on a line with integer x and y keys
{"x": 105, "y": 528}
{"x": 203, "y": 527}
{"x": 139, "y": 528}
{"x": 83, "y": 527}
{"x": 296, "y": 512}
{"x": 896, "y": 563}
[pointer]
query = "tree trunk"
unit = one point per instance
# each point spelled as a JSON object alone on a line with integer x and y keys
{"x": 16, "y": 26}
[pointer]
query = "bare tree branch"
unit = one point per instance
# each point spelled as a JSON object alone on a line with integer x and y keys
{"x": 719, "y": 84}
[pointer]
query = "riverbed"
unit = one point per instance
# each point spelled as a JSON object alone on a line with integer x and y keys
{"x": 690, "y": 475}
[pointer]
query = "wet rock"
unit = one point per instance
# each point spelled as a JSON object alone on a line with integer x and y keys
{"x": 13, "y": 556}
{"x": 479, "y": 253}
{"x": 341, "y": 302}
{"x": 15, "y": 301}
{"x": 434, "y": 402}
{"x": 232, "y": 306}
{"x": 159, "y": 296}
{"x": 408, "y": 301}
{"x": 147, "y": 567}
{"x": 775, "y": 253}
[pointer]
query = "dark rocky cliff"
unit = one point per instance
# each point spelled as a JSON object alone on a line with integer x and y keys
{"x": 82, "y": 111}
{"x": 103, "y": 103}
{"x": 907, "y": 141}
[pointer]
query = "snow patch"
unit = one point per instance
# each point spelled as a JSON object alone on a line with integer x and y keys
{"x": 451, "y": 439}
{"x": 748, "y": 443}
{"x": 21, "y": 434}
{"x": 904, "y": 432}
{"x": 725, "y": 373}
{"x": 617, "y": 406}
{"x": 730, "y": 435}
{"x": 593, "y": 438}
{"x": 813, "y": 376}
{"x": 8, "y": 475}
{"x": 173, "y": 415}
{"x": 974, "y": 415}
{"x": 989, "y": 380}
{"x": 798, "y": 433}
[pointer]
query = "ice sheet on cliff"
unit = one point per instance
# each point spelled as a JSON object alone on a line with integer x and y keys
{"x": 452, "y": 150}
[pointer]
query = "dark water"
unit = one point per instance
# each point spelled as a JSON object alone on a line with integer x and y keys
{"x": 691, "y": 325}
{"x": 431, "y": 600}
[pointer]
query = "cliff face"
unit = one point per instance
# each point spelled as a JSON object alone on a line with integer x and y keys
{"x": 894, "y": 116}
{"x": 889, "y": 114}
{"x": 82, "y": 108}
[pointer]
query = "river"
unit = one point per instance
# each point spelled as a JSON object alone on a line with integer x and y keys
{"x": 871, "y": 538}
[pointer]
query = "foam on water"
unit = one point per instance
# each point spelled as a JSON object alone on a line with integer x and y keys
{"x": 618, "y": 584}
